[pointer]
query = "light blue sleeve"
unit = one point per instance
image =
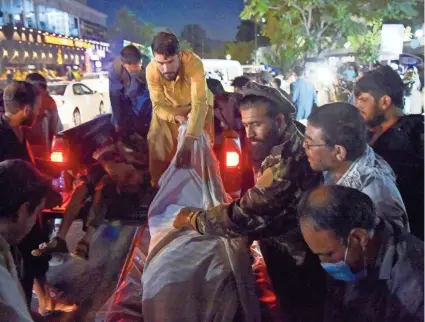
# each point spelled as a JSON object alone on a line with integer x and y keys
{"x": 387, "y": 199}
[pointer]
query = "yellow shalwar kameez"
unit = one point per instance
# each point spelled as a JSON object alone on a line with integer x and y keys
{"x": 189, "y": 89}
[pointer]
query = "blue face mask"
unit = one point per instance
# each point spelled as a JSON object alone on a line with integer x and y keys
{"x": 341, "y": 271}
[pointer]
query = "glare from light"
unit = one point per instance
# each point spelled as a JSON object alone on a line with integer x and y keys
{"x": 228, "y": 57}
{"x": 232, "y": 159}
{"x": 56, "y": 157}
{"x": 263, "y": 20}
{"x": 419, "y": 33}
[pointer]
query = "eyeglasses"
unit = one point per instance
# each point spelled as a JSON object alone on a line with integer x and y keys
{"x": 309, "y": 146}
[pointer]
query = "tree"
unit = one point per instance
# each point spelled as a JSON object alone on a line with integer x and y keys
{"x": 246, "y": 33}
{"x": 196, "y": 36}
{"x": 127, "y": 26}
{"x": 241, "y": 51}
{"x": 307, "y": 27}
{"x": 366, "y": 45}
{"x": 184, "y": 45}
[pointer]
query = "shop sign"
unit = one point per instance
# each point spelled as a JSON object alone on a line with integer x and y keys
{"x": 66, "y": 42}
{"x": 58, "y": 41}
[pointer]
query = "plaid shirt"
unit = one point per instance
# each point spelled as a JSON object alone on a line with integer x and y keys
{"x": 269, "y": 209}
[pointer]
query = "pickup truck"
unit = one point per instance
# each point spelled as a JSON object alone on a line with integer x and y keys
{"x": 72, "y": 154}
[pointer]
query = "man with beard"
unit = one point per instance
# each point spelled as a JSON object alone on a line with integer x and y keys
{"x": 20, "y": 104}
{"x": 396, "y": 137}
{"x": 177, "y": 85}
{"x": 267, "y": 212}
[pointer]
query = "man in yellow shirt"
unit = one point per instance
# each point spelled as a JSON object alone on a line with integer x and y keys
{"x": 177, "y": 86}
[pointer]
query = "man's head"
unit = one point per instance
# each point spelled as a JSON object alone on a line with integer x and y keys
{"x": 276, "y": 83}
{"x": 215, "y": 86}
{"x": 239, "y": 83}
{"x": 38, "y": 81}
{"x": 299, "y": 71}
{"x": 131, "y": 59}
{"x": 337, "y": 224}
{"x": 23, "y": 190}
{"x": 166, "y": 49}
{"x": 335, "y": 134}
{"x": 265, "y": 113}
{"x": 378, "y": 95}
{"x": 20, "y": 103}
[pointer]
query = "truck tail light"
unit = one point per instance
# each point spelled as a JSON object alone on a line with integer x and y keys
{"x": 232, "y": 159}
{"x": 58, "y": 154}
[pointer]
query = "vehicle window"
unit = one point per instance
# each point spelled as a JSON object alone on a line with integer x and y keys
{"x": 57, "y": 89}
{"x": 86, "y": 90}
{"x": 76, "y": 88}
{"x": 91, "y": 76}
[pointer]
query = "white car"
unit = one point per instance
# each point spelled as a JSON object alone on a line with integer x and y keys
{"x": 76, "y": 102}
{"x": 97, "y": 81}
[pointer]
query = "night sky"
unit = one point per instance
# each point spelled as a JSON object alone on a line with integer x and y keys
{"x": 219, "y": 18}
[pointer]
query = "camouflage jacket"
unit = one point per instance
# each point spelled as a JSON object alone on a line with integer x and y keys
{"x": 268, "y": 210}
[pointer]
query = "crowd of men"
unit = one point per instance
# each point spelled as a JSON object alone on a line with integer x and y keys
{"x": 337, "y": 205}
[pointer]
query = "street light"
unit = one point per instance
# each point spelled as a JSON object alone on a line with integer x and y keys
{"x": 419, "y": 33}
{"x": 228, "y": 57}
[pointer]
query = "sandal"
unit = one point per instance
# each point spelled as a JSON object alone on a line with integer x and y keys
{"x": 81, "y": 252}
{"x": 55, "y": 245}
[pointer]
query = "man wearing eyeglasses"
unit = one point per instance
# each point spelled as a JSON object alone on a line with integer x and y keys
{"x": 336, "y": 143}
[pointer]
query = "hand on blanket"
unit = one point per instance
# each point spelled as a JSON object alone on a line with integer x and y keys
{"x": 186, "y": 218}
{"x": 184, "y": 155}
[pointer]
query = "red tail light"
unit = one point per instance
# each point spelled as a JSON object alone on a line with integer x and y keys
{"x": 58, "y": 150}
{"x": 232, "y": 159}
{"x": 57, "y": 156}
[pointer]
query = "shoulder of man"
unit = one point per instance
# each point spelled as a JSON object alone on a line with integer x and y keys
{"x": 191, "y": 61}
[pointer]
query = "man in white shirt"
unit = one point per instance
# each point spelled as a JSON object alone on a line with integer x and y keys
{"x": 23, "y": 190}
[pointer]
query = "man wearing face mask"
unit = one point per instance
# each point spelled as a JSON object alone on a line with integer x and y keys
{"x": 130, "y": 102}
{"x": 335, "y": 143}
{"x": 376, "y": 268}
{"x": 177, "y": 86}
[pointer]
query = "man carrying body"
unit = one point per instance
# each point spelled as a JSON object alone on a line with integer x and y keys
{"x": 336, "y": 144}
{"x": 376, "y": 269}
{"x": 267, "y": 212}
{"x": 177, "y": 85}
{"x": 397, "y": 138}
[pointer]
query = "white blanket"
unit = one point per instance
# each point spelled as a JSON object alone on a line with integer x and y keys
{"x": 190, "y": 277}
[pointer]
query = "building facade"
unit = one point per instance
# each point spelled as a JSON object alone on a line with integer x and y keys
{"x": 55, "y": 34}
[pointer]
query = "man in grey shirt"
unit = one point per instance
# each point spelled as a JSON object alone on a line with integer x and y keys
{"x": 376, "y": 268}
{"x": 336, "y": 143}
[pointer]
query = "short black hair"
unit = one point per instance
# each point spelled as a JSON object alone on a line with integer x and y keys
{"x": 277, "y": 81}
{"x": 380, "y": 82}
{"x": 131, "y": 55}
{"x": 20, "y": 182}
{"x": 341, "y": 124}
{"x": 240, "y": 81}
{"x": 165, "y": 43}
{"x": 299, "y": 70}
{"x": 17, "y": 95}
{"x": 338, "y": 209}
{"x": 37, "y": 80}
{"x": 215, "y": 86}
{"x": 250, "y": 101}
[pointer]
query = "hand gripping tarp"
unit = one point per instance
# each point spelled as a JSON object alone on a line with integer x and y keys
{"x": 188, "y": 276}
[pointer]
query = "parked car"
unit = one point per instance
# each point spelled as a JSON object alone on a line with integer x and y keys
{"x": 97, "y": 81}
{"x": 76, "y": 102}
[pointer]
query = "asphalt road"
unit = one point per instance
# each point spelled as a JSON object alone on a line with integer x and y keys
{"x": 90, "y": 283}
